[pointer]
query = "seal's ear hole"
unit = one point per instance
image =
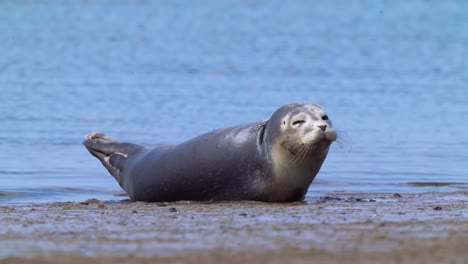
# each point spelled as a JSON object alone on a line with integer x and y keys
{"x": 325, "y": 117}
{"x": 284, "y": 122}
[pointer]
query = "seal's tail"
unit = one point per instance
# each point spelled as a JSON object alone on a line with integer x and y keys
{"x": 111, "y": 153}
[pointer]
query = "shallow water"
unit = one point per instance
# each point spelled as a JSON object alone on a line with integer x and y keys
{"x": 391, "y": 75}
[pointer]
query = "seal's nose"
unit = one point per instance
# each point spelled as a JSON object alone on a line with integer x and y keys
{"x": 323, "y": 127}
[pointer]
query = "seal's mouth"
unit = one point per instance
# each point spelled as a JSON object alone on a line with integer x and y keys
{"x": 317, "y": 135}
{"x": 304, "y": 145}
{"x": 330, "y": 135}
{"x": 315, "y": 140}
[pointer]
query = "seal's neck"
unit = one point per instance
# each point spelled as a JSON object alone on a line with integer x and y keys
{"x": 293, "y": 172}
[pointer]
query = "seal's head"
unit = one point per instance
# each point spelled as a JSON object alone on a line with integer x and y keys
{"x": 299, "y": 128}
{"x": 298, "y": 137}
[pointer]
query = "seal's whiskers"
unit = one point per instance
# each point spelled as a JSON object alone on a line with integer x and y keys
{"x": 344, "y": 141}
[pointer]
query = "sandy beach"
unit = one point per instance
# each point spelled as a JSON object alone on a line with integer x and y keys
{"x": 338, "y": 227}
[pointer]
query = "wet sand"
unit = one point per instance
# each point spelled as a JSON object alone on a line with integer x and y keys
{"x": 339, "y": 227}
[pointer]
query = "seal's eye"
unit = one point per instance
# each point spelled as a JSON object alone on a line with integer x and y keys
{"x": 325, "y": 117}
{"x": 298, "y": 122}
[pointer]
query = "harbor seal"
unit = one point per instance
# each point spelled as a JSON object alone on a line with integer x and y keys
{"x": 273, "y": 161}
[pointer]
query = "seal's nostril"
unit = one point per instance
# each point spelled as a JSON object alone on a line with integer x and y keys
{"x": 323, "y": 127}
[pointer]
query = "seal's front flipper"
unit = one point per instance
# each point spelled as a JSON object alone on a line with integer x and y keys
{"x": 111, "y": 153}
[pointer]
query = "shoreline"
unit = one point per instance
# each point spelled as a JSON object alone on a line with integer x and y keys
{"x": 427, "y": 227}
{"x": 318, "y": 188}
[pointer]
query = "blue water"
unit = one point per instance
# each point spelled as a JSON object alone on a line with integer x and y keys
{"x": 392, "y": 76}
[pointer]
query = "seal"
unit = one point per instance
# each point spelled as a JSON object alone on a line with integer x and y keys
{"x": 273, "y": 161}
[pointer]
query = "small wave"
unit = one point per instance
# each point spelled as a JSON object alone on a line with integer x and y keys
{"x": 436, "y": 184}
{"x": 8, "y": 194}
{"x": 84, "y": 190}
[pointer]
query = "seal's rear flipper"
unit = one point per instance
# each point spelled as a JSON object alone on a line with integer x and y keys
{"x": 110, "y": 152}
